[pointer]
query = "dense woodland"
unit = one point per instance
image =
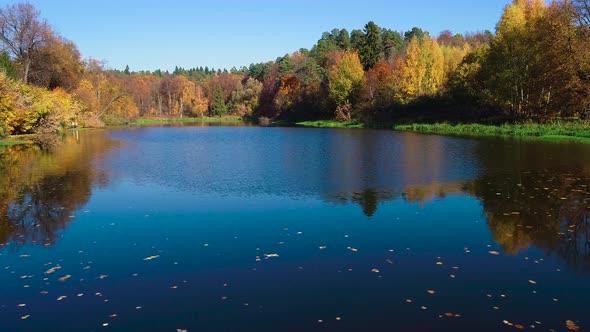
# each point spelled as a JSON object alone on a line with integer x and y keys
{"x": 535, "y": 66}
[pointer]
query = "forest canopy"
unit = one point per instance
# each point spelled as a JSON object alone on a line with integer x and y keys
{"x": 535, "y": 66}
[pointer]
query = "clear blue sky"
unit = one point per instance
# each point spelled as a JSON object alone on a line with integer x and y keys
{"x": 151, "y": 34}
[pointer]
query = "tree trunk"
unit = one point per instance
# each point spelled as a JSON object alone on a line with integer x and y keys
{"x": 26, "y": 75}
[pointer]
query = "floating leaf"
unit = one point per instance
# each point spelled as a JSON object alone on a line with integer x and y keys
{"x": 151, "y": 257}
{"x": 64, "y": 278}
{"x": 571, "y": 325}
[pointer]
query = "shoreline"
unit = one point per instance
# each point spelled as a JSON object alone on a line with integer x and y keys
{"x": 573, "y": 131}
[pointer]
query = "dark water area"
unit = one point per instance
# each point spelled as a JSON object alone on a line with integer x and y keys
{"x": 218, "y": 228}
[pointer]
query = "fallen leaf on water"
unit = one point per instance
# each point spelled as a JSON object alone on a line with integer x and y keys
{"x": 322, "y": 247}
{"x": 61, "y": 297}
{"x": 22, "y": 305}
{"x": 389, "y": 261}
{"x": 571, "y": 325}
{"x": 430, "y": 291}
{"x": 532, "y": 282}
{"x": 493, "y": 252}
{"x": 375, "y": 270}
{"x": 267, "y": 256}
{"x": 53, "y": 269}
{"x": 25, "y": 317}
{"x": 151, "y": 257}
{"x": 64, "y": 278}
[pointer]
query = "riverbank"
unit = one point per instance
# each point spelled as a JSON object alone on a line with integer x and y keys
{"x": 15, "y": 140}
{"x": 156, "y": 120}
{"x": 577, "y": 131}
{"x": 571, "y": 131}
{"x": 330, "y": 124}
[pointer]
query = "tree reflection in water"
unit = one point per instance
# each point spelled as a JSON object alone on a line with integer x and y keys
{"x": 547, "y": 210}
{"x": 40, "y": 189}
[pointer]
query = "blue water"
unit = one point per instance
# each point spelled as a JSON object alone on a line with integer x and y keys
{"x": 289, "y": 229}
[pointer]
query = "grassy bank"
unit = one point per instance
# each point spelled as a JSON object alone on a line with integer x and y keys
{"x": 7, "y": 142}
{"x": 153, "y": 121}
{"x": 571, "y": 131}
{"x": 16, "y": 140}
{"x": 330, "y": 124}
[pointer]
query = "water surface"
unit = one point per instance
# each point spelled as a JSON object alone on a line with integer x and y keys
{"x": 219, "y": 228}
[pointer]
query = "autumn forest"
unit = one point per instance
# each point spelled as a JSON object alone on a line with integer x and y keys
{"x": 534, "y": 67}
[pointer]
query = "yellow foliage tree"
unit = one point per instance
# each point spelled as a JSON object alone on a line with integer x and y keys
{"x": 345, "y": 78}
{"x": 433, "y": 59}
{"x": 414, "y": 71}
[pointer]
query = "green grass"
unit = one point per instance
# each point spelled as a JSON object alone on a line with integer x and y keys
{"x": 153, "y": 121}
{"x": 8, "y": 142}
{"x": 330, "y": 124}
{"x": 573, "y": 131}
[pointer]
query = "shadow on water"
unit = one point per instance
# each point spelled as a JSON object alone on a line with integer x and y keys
{"x": 42, "y": 187}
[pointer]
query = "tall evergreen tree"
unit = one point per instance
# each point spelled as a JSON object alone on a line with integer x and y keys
{"x": 219, "y": 107}
{"x": 357, "y": 39}
{"x": 372, "y": 47}
{"x": 343, "y": 39}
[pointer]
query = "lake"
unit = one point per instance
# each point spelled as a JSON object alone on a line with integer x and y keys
{"x": 225, "y": 228}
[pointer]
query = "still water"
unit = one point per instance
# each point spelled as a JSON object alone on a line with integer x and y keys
{"x": 219, "y": 228}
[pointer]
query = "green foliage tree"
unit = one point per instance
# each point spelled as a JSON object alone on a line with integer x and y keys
{"x": 218, "y": 108}
{"x": 286, "y": 66}
{"x": 392, "y": 43}
{"x": 415, "y": 32}
{"x": 7, "y": 66}
{"x": 357, "y": 39}
{"x": 343, "y": 39}
{"x": 372, "y": 46}
{"x": 345, "y": 80}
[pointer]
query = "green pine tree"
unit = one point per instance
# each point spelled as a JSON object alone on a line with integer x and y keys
{"x": 219, "y": 108}
{"x": 372, "y": 47}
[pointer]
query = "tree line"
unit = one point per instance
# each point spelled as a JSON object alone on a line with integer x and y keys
{"x": 536, "y": 66}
